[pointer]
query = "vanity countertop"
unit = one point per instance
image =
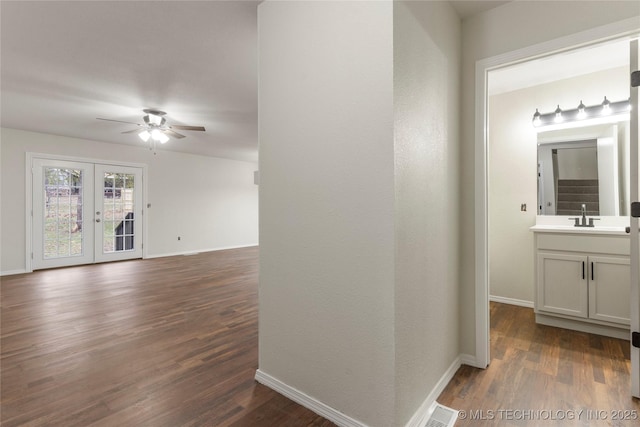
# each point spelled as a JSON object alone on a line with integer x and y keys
{"x": 610, "y": 230}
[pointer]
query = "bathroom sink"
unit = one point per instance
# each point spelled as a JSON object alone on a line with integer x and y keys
{"x": 557, "y": 228}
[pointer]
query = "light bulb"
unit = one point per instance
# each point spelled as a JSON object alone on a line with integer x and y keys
{"x": 536, "y": 118}
{"x": 606, "y": 107}
{"x": 155, "y": 134}
{"x": 163, "y": 138}
{"x": 558, "y": 118}
{"x": 144, "y": 135}
{"x": 581, "y": 111}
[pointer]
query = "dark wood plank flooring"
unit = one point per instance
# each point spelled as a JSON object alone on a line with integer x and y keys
{"x": 174, "y": 342}
{"x": 540, "y": 374}
{"x": 159, "y": 342}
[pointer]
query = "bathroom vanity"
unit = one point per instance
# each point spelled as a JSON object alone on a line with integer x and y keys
{"x": 582, "y": 268}
{"x": 583, "y": 278}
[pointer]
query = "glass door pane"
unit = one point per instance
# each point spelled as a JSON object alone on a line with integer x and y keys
{"x": 64, "y": 211}
{"x": 118, "y": 205}
{"x": 61, "y": 234}
{"x": 118, "y": 213}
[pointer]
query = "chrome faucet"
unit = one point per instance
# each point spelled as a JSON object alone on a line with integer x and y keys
{"x": 582, "y": 222}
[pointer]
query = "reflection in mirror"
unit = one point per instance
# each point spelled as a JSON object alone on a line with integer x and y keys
{"x": 583, "y": 166}
{"x": 573, "y": 178}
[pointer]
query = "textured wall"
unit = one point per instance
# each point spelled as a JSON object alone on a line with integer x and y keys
{"x": 427, "y": 117}
{"x": 359, "y": 161}
{"x": 326, "y": 202}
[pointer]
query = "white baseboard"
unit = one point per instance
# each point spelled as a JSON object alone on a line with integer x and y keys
{"x": 181, "y": 253}
{"x": 307, "y": 401}
{"x": 512, "y": 301}
{"x": 12, "y": 272}
{"x": 470, "y": 360}
{"x": 343, "y": 420}
{"x": 420, "y": 416}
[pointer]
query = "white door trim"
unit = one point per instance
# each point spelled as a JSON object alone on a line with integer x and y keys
{"x": 633, "y": 224}
{"x": 617, "y": 30}
{"x": 29, "y": 158}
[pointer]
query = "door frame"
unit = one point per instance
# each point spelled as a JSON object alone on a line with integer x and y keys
{"x": 633, "y": 223}
{"x": 30, "y": 156}
{"x": 620, "y": 30}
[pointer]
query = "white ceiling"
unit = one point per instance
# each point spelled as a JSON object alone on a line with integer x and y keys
{"x": 559, "y": 66}
{"x": 467, "y": 8}
{"x": 64, "y": 64}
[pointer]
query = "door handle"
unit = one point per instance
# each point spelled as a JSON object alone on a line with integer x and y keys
{"x": 98, "y": 220}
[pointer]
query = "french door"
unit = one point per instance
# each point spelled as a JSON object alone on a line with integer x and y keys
{"x": 85, "y": 213}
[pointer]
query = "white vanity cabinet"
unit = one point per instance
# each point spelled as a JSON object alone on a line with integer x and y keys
{"x": 610, "y": 289}
{"x": 562, "y": 285}
{"x": 582, "y": 281}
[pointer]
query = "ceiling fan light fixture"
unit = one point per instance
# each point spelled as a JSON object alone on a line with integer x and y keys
{"x": 154, "y": 130}
{"x": 155, "y": 119}
{"x": 144, "y": 135}
{"x": 158, "y": 135}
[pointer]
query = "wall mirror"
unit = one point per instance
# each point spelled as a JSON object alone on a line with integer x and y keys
{"x": 584, "y": 165}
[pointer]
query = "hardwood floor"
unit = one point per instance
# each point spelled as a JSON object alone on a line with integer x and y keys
{"x": 539, "y": 374}
{"x": 159, "y": 342}
{"x": 174, "y": 342}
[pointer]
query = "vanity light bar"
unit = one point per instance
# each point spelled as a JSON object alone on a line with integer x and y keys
{"x": 559, "y": 115}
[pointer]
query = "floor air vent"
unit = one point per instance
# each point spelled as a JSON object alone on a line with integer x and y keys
{"x": 441, "y": 416}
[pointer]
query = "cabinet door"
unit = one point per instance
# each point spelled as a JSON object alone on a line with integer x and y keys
{"x": 562, "y": 284}
{"x": 609, "y": 289}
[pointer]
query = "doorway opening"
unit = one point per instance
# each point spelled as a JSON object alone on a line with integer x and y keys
{"x": 624, "y": 30}
{"x": 529, "y": 176}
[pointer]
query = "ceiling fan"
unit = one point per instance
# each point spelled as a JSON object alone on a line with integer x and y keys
{"x": 155, "y": 128}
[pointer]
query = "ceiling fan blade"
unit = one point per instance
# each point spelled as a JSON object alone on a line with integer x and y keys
{"x": 173, "y": 134}
{"x": 180, "y": 127}
{"x": 119, "y": 121}
{"x": 131, "y": 131}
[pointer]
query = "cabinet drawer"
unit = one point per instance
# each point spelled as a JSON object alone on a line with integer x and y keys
{"x": 614, "y": 245}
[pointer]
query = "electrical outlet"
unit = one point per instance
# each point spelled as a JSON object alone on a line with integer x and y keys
{"x": 523, "y": 207}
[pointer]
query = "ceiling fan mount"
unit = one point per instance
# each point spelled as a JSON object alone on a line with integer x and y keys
{"x": 154, "y": 117}
{"x": 154, "y": 112}
{"x": 155, "y": 128}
